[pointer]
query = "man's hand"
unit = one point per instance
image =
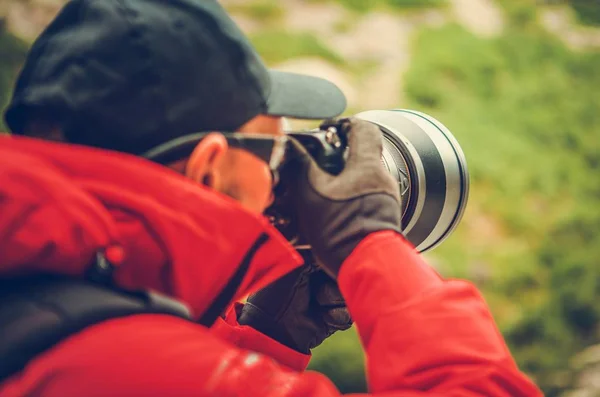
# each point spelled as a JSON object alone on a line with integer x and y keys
{"x": 300, "y": 310}
{"x": 336, "y": 212}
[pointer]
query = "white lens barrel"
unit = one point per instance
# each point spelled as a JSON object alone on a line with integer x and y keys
{"x": 438, "y": 174}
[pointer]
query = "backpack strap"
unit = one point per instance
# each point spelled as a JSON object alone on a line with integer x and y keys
{"x": 38, "y": 312}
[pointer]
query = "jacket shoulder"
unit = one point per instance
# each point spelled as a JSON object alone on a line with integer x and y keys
{"x": 151, "y": 354}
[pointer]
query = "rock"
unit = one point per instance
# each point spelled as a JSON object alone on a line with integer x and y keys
{"x": 320, "y": 68}
{"x": 377, "y": 36}
{"x": 589, "y": 356}
{"x": 318, "y": 18}
{"x": 579, "y": 393}
{"x": 27, "y": 19}
{"x": 482, "y": 17}
{"x": 383, "y": 88}
{"x": 590, "y": 379}
{"x": 385, "y": 39}
{"x": 561, "y": 22}
{"x": 246, "y": 24}
{"x": 586, "y": 375}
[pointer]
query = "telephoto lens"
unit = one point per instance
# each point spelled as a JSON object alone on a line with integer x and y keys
{"x": 431, "y": 170}
{"x": 418, "y": 151}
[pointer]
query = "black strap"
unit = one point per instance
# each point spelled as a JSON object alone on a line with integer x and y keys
{"x": 220, "y": 303}
{"x": 38, "y": 312}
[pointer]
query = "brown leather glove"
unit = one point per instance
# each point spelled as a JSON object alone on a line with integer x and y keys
{"x": 299, "y": 310}
{"x": 336, "y": 212}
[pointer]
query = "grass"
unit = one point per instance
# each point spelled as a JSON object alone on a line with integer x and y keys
{"x": 363, "y": 6}
{"x": 342, "y": 359}
{"x": 524, "y": 108}
{"x": 279, "y": 45}
{"x": 265, "y": 11}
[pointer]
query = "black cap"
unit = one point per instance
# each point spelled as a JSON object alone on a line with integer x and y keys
{"x": 129, "y": 75}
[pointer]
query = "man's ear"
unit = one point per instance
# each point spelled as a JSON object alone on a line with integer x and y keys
{"x": 203, "y": 163}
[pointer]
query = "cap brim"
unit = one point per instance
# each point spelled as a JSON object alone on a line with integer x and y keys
{"x": 304, "y": 97}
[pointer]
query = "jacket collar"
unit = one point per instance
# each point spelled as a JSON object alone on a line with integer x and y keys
{"x": 64, "y": 203}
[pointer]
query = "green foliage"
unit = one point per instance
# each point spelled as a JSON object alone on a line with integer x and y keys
{"x": 411, "y": 4}
{"x": 525, "y": 110}
{"x": 265, "y": 11}
{"x": 587, "y": 11}
{"x": 12, "y": 54}
{"x": 363, "y": 6}
{"x": 569, "y": 320}
{"x": 279, "y": 45}
{"x": 358, "y": 5}
{"x": 524, "y": 12}
{"x": 340, "y": 357}
{"x": 520, "y": 13}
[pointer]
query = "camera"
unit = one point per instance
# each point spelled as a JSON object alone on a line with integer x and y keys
{"x": 419, "y": 152}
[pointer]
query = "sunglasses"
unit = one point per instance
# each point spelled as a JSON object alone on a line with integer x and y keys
{"x": 269, "y": 148}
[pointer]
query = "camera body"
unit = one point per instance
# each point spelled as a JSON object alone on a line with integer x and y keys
{"x": 419, "y": 152}
{"x": 327, "y": 147}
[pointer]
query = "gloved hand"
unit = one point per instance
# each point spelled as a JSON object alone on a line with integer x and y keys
{"x": 299, "y": 310}
{"x": 335, "y": 213}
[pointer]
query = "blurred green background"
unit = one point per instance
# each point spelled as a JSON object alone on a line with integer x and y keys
{"x": 518, "y": 83}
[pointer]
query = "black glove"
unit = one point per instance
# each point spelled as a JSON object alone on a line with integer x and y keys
{"x": 336, "y": 212}
{"x": 299, "y": 310}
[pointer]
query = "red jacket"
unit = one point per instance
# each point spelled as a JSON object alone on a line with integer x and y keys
{"x": 59, "y": 204}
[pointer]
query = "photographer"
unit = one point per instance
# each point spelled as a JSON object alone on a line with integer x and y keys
{"x": 88, "y": 222}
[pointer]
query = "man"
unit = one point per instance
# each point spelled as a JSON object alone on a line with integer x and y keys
{"x": 142, "y": 78}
